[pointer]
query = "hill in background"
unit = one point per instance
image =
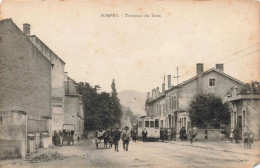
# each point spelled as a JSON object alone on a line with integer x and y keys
{"x": 133, "y": 99}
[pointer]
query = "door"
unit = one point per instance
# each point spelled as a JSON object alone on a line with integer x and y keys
{"x": 239, "y": 123}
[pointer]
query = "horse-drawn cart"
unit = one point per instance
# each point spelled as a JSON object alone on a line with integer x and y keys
{"x": 103, "y": 137}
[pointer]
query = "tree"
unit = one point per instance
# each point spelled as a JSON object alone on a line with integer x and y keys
{"x": 207, "y": 109}
{"x": 101, "y": 110}
{"x": 117, "y": 111}
{"x": 253, "y": 88}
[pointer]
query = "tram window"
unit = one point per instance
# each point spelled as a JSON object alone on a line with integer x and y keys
{"x": 140, "y": 123}
{"x": 156, "y": 123}
{"x": 151, "y": 124}
{"x": 146, "y": 124}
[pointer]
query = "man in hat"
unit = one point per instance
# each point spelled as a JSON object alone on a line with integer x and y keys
{"x": 116, "y": 138}
{"x": 126, "y": 137}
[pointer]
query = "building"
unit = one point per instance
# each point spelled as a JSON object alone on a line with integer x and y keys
{"x": 57, "y": 82}
{"x": 245, "y": 111}
{"x": 25, "y": 100}
{"x": 74, "y": 109}
{"x": 171, "y": 105}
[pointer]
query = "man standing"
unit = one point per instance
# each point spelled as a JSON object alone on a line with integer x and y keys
{"x": 144, "y": 134}
{"x": 116, "y": 138}
{"x": 191, "y": 134}
{"x": 126, "y": 137}
{"x": 195, "y": 131}
{"x": 236, "y": 134}
{"x": 134, "y": 134}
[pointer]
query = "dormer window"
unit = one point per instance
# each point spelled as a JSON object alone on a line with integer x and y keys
{"x": 212, "y": 82}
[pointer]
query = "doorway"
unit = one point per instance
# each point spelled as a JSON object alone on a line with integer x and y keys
{"x": 239, "y": 123}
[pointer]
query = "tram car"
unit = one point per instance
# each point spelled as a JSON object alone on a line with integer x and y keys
{"x": 151, "y": 124}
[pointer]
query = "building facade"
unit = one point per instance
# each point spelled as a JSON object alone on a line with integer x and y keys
{"x": 74, "y": 109}
{"x": 57, "y": 83}
{"x": 25, "y": 101}
{"x": 245, "y": 111}
{"x": 172, "y": 104}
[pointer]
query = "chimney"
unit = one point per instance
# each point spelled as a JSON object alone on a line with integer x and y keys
{"x": 199, "y": 68}
{"x": 169, "y": 81}
{"x": 163, "y": 87}
{"x": 148, "y": 95}
{"x": 220, "y": 67}
{"x": 153, "y": 93}
{"x": 26, "y": 29}
{"x": 157, "y": 91}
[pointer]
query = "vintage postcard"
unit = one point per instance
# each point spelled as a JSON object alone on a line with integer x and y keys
{"x": 129, "y": 83}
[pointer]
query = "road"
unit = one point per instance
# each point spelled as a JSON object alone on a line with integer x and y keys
{"x": 140, "y": 154}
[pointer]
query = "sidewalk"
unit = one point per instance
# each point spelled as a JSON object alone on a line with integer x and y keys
{"x": 226, "y": 146}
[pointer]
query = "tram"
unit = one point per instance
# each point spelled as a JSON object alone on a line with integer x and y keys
{"x": 151, "y": 124}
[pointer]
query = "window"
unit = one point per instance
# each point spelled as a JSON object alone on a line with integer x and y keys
{"x": 151, "y": 124}
{"x": 157, "y": 123}
{"x": 161, "y": 124}
{"x": 174, "y": 102}
{"x": 146, "y": 124}
{"x": 140, "y": 123}
{"x": 185, "y": 122}
{"x": 212, "y": 82}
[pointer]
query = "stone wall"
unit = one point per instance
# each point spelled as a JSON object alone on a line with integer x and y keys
{"x": 57, "y": 81}
{"x": 13, "y": 134}
{"x": 25, "y": 73}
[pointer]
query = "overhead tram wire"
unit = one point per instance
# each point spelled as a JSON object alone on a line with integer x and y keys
{"x": 212, "y": 63}
{"x": 193, "y": 69}
{"x": 242, "y": 56}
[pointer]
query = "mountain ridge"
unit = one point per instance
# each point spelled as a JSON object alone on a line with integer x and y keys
{"x": 133, "y": 99}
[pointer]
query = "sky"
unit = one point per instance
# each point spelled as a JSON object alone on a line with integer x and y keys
{"x": 138, "y": 51}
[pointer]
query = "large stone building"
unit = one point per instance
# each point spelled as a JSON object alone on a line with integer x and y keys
{"x": 74, "y": 109}
{"x": 171, "y": 105}
{"x": 25, "y": 101}
{"x": 57, "y": 82}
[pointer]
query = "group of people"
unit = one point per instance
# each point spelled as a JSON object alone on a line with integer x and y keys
{"x": 248, "y": 136}
{"x": 65, "y": 135}
{"x": 170, "y": 134}
{"x": 113, "y": 137}
{"x": 167, "y": 134}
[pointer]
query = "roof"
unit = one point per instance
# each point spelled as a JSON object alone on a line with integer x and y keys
{"x": 21, "y": 32}
{"x": 34, "y": 36}
{"x": 210, "y": 70}
{"x": 159, "y": 97}
{"x": 195, "y": 77}
{"x": 241, "y": 96}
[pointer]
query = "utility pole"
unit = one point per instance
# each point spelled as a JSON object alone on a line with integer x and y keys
{"x": 177, "y": 77}
{"x": 177, "y": 101}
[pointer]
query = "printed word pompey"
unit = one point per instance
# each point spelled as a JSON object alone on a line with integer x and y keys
{"x": 110, "y": 15}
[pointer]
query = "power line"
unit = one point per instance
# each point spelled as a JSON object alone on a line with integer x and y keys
{"x": 234, "y": 54}
{"x": 228, "y": 57}
{"x": 242, "y": 56}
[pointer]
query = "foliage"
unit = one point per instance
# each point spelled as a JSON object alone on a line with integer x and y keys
{"x": 117, "y": 108}
{"x": 99, "y": 108}
{"x": 206, "y": 109}
{"x": 253, "y": 87}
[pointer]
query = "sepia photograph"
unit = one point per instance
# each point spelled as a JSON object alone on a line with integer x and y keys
{"x": 130, "y": 83}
